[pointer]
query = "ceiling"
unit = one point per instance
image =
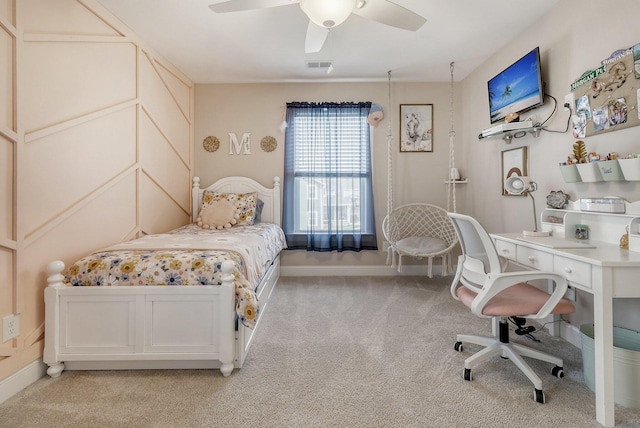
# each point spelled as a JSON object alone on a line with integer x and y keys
{"x": 268, "y": 45}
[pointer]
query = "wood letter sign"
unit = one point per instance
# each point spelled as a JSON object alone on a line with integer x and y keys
{"x": 243, "y": 146}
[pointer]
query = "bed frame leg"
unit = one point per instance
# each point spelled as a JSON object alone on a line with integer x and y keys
{"x": 55, "y": 369}
{"x": 226, "y": 369}
{"x": 227, "y": 332}
{"x": 52, "y": 318}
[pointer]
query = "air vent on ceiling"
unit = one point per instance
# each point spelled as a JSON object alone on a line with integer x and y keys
{"x": 319, "y": 64}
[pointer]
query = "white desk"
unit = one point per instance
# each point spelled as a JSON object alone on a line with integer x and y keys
{"x": 607, "y": 272}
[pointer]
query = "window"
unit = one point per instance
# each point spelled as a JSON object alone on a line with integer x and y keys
{"x": 328, "y": 195}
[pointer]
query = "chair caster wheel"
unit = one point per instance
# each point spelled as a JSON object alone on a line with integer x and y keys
{"x": 538, "y": 396}
{"x": 557, "y": 372}
{"x": 467, "y": 374}
{"x": 458, "y": 347}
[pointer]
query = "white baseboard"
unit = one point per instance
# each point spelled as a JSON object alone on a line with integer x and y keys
{"x": 21, "y": 379}
{"x": 366, "y": 270}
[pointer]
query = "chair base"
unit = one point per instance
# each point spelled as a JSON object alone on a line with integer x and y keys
{"x": 446, "y": 261}
{"x": 501, "y": 346}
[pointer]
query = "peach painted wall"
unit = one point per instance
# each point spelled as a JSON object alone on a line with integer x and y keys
{"x": 96, "y": 136}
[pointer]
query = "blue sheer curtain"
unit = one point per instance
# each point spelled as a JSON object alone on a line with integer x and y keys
{"x": 328, "y": 194}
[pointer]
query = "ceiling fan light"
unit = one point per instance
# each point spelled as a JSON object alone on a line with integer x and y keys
{"x": 327, "y": 13}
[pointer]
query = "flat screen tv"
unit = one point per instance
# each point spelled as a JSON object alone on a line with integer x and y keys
{"x": 518, "y": 88}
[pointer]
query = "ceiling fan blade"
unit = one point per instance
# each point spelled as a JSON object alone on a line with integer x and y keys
{"x": 241, "y": 5}
{"x": 316, "y": 36}
{"x": 392, "y": 14}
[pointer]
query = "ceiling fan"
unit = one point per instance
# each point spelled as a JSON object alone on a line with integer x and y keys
{"x": 327, "y": 14}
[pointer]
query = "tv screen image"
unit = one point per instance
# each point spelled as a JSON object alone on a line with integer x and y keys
{"x": 518, "y": 88}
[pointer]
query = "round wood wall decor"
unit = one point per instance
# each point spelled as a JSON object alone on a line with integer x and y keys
{"x": 268, "y": 143}
{"x": 211, "y": 144}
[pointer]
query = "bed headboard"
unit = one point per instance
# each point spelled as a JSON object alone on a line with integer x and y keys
{"x": 270, "y": 197}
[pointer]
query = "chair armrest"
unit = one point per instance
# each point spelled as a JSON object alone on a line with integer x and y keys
{"x": 498, "y": 282}
{"x": 456, "y": 278}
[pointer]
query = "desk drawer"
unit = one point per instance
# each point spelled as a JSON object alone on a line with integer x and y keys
{"x": 535, "y": 258}
{"x": 506, "y": 249}
{"x": 574, "y": 271}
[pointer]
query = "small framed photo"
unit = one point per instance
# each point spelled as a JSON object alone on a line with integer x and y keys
{"x": 514, "y": 162}
{"x": 416, "y": 127}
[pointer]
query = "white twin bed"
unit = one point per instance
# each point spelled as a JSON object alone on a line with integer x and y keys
{"x": 195, "y": 306}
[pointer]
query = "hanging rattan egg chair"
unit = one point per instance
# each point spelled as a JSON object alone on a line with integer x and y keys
{"x": 421, "y": 231}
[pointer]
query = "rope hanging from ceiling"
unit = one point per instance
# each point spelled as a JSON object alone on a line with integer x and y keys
{"x": 451, "y": 182}
{"x": 389, "y": 155}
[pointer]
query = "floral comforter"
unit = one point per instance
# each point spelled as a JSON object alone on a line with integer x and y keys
{"x": 188, "y": 255}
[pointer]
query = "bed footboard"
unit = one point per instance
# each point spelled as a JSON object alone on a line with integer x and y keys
{"x": 141, "y": 327}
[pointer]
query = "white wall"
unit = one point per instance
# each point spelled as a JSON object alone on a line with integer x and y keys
{"x": 258, "y": 109}
{"x": 573, "y": 38}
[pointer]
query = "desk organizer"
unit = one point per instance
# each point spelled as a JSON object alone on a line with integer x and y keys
{"x": 570, "y": 173}
{"x": 610, "y": 170}
{"x": 607, "y": 224}
{"x": 589, "y": 172}
{"x": 603, "y": 205}
{"x": 630, "y": 169}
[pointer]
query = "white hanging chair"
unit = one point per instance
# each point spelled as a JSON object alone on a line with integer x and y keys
{"x": 421, "y": 231}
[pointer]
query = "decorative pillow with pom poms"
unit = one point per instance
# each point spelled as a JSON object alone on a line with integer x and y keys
{"x": 218, "y": 215}
{"x": 245, "y": 204}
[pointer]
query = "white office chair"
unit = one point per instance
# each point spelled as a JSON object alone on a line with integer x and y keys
{"x": 482, "y": 285}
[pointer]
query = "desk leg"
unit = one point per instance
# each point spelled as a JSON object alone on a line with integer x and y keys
{"x": 603, "y": 347}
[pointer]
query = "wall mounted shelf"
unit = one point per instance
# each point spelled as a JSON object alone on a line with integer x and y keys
{"x": 611, "y": 170}
{"x": 507, "y": 136}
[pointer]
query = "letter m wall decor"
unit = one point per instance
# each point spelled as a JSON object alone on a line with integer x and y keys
{"x": 244, "y": 145}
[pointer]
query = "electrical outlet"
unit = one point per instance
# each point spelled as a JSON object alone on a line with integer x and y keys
{"x": 385, "y": 246}
{"x": 569, "y": 99}
{"x": 10, "y": 327}
{"x": 570, "y": 294}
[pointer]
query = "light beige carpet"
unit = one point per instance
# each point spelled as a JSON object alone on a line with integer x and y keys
{"x": 331, "y": 352}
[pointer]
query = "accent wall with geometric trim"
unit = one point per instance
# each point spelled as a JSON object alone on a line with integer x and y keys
{"x": 96, "y": 134}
